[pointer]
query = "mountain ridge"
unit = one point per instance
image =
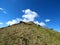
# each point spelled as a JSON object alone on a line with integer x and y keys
{"x": 28, "y": 34}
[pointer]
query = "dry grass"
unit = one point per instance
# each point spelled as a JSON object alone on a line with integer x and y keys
{"x": 28, "y": 34}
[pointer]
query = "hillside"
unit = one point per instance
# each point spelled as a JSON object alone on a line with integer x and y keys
{"x": 28, "y": 34}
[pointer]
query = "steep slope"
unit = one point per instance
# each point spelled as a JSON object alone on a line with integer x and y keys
{"x": 28, "y": 34}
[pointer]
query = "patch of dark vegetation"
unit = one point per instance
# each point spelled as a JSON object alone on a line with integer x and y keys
{"x": 22, "y": 22}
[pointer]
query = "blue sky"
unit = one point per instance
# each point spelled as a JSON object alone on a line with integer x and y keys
{"x": 46, "y": 12}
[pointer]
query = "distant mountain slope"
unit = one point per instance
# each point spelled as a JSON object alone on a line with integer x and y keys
{"x": 28, "y": 34}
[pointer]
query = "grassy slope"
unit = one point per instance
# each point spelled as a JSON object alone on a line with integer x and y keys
{"x": 28, "y": 34}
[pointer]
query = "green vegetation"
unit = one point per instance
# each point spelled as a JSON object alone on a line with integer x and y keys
{"x": 28, "y": 34}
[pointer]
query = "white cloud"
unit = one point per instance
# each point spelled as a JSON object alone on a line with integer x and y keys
{"x": 29, "y": 15}
{"x": 1, "y": 9}
{"x": 1, "y": 23}
{"x": 17, "y": 20}
{"x": 40, "y": 23}
{"x": 47, "y": 20}
{"x": 24, "y": 20}
{"x": 12, "y": 22}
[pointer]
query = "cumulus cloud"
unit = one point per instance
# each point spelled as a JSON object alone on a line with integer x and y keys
{"x": 1, "y": 9}
{"x": 40, "y": 23}
{"x": 29, "y": 15}
{"x": 24, "y": 20}
{"x": 47, "y": 20}
{"x": 17, "y": 20}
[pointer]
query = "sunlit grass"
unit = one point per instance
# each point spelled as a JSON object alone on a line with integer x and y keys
{"x": 28, "y": 34}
